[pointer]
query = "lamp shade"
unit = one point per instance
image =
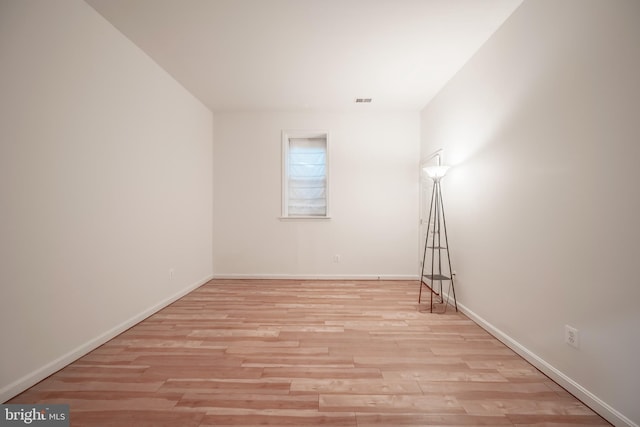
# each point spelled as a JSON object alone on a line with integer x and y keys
{"x": 436, "y": 172}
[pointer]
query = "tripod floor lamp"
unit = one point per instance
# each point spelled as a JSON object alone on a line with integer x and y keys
{"x": 436, "y": 247}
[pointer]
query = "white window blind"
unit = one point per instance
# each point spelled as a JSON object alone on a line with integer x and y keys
{"x": 306, "y": 177}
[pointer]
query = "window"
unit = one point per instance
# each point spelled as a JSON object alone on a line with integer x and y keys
{"x": 305, "y": 177}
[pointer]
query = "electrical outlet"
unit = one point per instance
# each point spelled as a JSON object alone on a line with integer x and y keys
{"x": 336, "y": 259}
{"x": 571, "y": 336}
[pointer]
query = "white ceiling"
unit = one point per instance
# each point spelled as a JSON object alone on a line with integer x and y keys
{"x": 309, "y": 54}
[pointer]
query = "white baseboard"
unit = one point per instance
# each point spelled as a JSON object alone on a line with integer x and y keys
{"x": 316, "y": 276}
{"x": 591, "y": 400}
{"x": 20, "y": 385}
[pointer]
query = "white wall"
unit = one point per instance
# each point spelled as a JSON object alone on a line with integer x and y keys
{"x": 374, "y": 177}
{"x": 105, "y": 184}
{"x": 542, "y": 126}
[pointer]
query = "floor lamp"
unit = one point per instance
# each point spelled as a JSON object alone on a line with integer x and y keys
{"x": 437, "y": 242}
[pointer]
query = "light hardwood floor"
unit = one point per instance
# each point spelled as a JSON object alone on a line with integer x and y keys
{"x": 304, "y": 353}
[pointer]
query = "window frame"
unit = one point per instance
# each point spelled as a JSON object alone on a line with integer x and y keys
{"x": 293, "y": 134}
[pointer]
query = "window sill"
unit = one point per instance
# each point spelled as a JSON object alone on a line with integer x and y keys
{"x": 304, "y": 218}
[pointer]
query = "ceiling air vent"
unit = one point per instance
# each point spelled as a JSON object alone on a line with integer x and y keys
{"x": 363, "y": 100}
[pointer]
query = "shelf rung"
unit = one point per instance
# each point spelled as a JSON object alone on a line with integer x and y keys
{"x": 436, "y": 277}
{"x": 437, "y": 247}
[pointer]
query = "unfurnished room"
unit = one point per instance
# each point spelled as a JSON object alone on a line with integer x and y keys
{"x": 351, "y": 213}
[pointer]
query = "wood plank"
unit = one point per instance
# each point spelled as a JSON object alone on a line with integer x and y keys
{"x": 404, "y": 403}
{"x": 291, "y": 352}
